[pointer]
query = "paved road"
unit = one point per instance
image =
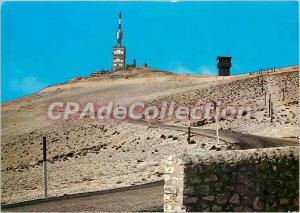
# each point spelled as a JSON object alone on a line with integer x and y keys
{"x": 148, "y": 197}
{"x": 242, "y": 141}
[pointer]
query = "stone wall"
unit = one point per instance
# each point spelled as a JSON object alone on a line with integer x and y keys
{"x": 238, "y": 180}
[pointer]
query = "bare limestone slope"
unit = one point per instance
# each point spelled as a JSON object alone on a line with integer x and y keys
{"x": 85, "y": 155}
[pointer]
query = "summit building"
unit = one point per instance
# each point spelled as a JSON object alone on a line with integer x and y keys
{"x": 119, "y": 51}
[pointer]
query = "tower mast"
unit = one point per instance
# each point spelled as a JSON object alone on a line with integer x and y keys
{"x": 119, "y": 32}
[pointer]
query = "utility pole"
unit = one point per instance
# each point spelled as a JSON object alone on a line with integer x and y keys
{"x": 45, "y": 167}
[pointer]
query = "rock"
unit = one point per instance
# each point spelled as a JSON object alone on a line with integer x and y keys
{"x": 213, "y": 148}
{"x": 210, "y": 178}
{"x": 188, "y": 190}
{"x": 221, "y": 199}
{"x": 296, "y": 201}
{"x": 202, "y": 189}
{"x": 32, "y": 163}
{"x": 238, "y": 209}
{"x": 168, "y": 198}
{"x": 163, "y": 136}
{"x": 235, "y": 199}
{"x": 257, "y": 205}
{"x": 218, "y": 187}
{"x": 195, "y": 180}
{"x": 218, "y": 148}
{"x": 216, "y": 208}
{"x": 274, "y": 205}
{"x": 190, "y": 200}
{"x": 283, "y": 201}
{"x": 209, "y": 198}
{"x": 192, "y": 142}
{"x": 247, "y": 209}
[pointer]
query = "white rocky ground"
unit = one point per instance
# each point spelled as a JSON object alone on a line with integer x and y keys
{"x": 86, "y": 155}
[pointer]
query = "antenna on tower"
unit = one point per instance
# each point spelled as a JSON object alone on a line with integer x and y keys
{"x": 119, "y": 32}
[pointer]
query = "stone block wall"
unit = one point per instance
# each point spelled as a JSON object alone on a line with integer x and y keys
{"x": 237, "y": 180}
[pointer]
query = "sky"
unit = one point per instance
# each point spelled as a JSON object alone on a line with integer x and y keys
{"x": 47, "y": 43}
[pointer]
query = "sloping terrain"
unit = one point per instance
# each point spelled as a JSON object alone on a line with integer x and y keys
{"x": 87, "y": 155}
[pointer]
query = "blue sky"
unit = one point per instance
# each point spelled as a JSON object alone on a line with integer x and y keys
{"x": 46, "y": 43}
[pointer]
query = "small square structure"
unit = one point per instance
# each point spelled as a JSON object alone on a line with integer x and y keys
{"x": 224, "y": 64}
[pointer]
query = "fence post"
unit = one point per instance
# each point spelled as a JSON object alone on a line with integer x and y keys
{"x": 216, "y": 105}
{"x": 271, "y": 112}
{"x": 189, "y": 135}
{"x": 189, "y": 128}
{"x": 45, "y": 167}
{"x": 262, "y": 82}
{"x": 270, "y": 105}
{"x": 217, "y": 130}
{"x": 283, "y": 91}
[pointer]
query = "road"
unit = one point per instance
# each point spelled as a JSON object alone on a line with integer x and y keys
{"x": 147, "y": 197}
{"x": 242, "y": 141}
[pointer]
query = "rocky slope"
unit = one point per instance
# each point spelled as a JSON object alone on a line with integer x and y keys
{"x": 88, "y": 155}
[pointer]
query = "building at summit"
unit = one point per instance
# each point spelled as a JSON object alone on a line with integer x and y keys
{"x": 224, "y": 64}
{"x": 119, "y": 51}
